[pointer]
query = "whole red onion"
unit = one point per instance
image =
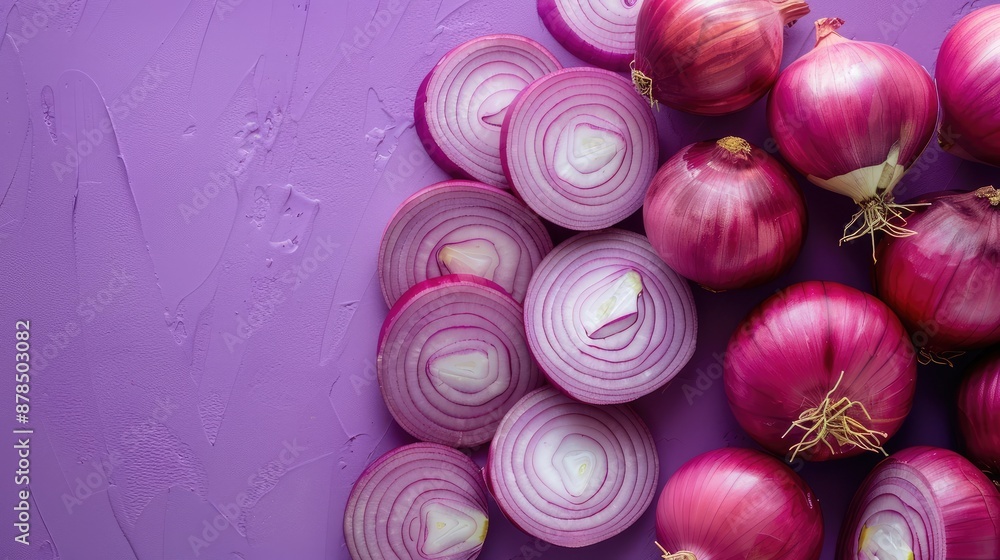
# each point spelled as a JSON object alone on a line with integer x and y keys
{"x": 853, "y": 116}
{"x": 725, "y": 214}
{"x": 968, "y": 77}
{"x": 979, "y": 412}
{"x": 944, "y": 282}
{"x": 710, "y": 57}
{"x": 738, "y": 503}
{"x": 820, "y": 369}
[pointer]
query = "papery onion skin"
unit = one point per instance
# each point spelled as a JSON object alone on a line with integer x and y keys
{"x": 739, "y": 503}
{"x": 853, "y": 116}
{"x": 944, "y": 282}
{"x": 788, "y": 354}
{"x": 451, "y": 214}
{"x": 711, "y": 57}
{"x": 617, "y": 357}
{"x": 579, "y": 146}
{"x": 979, "y": 413}
{"x": 601, "y": 33}
{"x": 452, "y": 359}
{"x": 474, "y": 153}
{"x": 420, "y": 483}
{"x": 968, "y": 78}
{"x": 611, "y": 445}
{"x": 956, "y": 506}
{"x": 725, "y": 215}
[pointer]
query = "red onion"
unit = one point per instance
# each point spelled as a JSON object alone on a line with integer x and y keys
{"x": 738, "y": 503}
{"x": 822, "y": 370}
{"x": 607, "y": 321}
{"x": 923, "y": 503}
{"x": 979, "y": 412}
{"x": 853, "y": 116}
{"x": 710, "y": 57}
{"x": 968, "y": 77}
{"x": 571, "y": 473}
{"x": 580, "y": 147}
{"x": 944, "y": 283}
{"x": 461, "y": 227}
{"x": 418, "y": 501}
{"x": 452, "y": 359}
{"x": 463, "y": 101}
{"x": 600, "y": 32}
{"x": 725, "y": 214}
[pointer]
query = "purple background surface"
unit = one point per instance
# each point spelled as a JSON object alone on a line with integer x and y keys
{"x": 191, "y": 198}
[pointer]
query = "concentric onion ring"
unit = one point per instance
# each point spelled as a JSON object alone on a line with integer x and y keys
{"x": 923, "y": 503}
{"x": 571, "y": 473}
{"x": 463, "y": 100}
{"x": 580, "y": 148}
{"x": 452, "y": 359}
{"x": 461, "y": 227}
{"x": 422, "y": 500}
{"x": 607, "y": 320}
{"x": 600, "y": 32}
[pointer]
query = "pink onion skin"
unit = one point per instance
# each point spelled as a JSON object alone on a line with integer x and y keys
{"x": 841, "y": 108}
{"x": 788, "y": 354}
{"x": 552, "y": 120}
{"x": 943, "y": 283}
{"x": 968, "y": 77}
{"x": 477, "y": 158}
{"x": 635, "y": 361}
{"x": 451, "y": 212}
{"x": 957, "y": 506}
{"x": 725, "y": 219}
{"x": 979, "y": 412}
{"x": 712, "y": 57}
{"x": 404, "y": 486}
{"x": 441, "y": 317}
{"x": 619, "y": 445}
{"x": 739, "y": 503}
{"x": 614, "y": 49}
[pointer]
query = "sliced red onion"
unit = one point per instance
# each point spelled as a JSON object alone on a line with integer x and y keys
{"x": 923, "y": 503}
{"x": 738, "y": 503}
{"x": 423, "y": 501}
{"x": 979, "y": 413}
{"x": 607, "y": 321}
{"x": 820, "y": 370}
{"x": 944, "y": 282}
{"x": 853, "y": 116}
{"x": 463, "y": 100}
{"x": 461, "y": 227}
{"x": 968, "y": 78}
{"x": 579, "y": 146}
{"x": 710, "y": 57}
{"x": 601, "y": 32}
{"x": 452, "y": 359}
{"x": 571, "y": 473}
{"x": 725, "y": 214}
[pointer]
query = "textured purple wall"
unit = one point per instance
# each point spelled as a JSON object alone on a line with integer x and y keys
{"x": 191, "y": 197}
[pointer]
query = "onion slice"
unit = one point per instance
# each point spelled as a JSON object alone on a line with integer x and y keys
{"x": 607, "y": 320}
{"x": 422, "y": 500}
{"x": 738, "y": 503}
{"x": 923, "y": 503}
{"x": 601, "y": 33}
{"x": 570, "y": 473}
{"x": 461, "y": 227}
{"x": 463, "y": 101}
{"x": 452, "y": 359}
{"x": 580, "y": 148}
